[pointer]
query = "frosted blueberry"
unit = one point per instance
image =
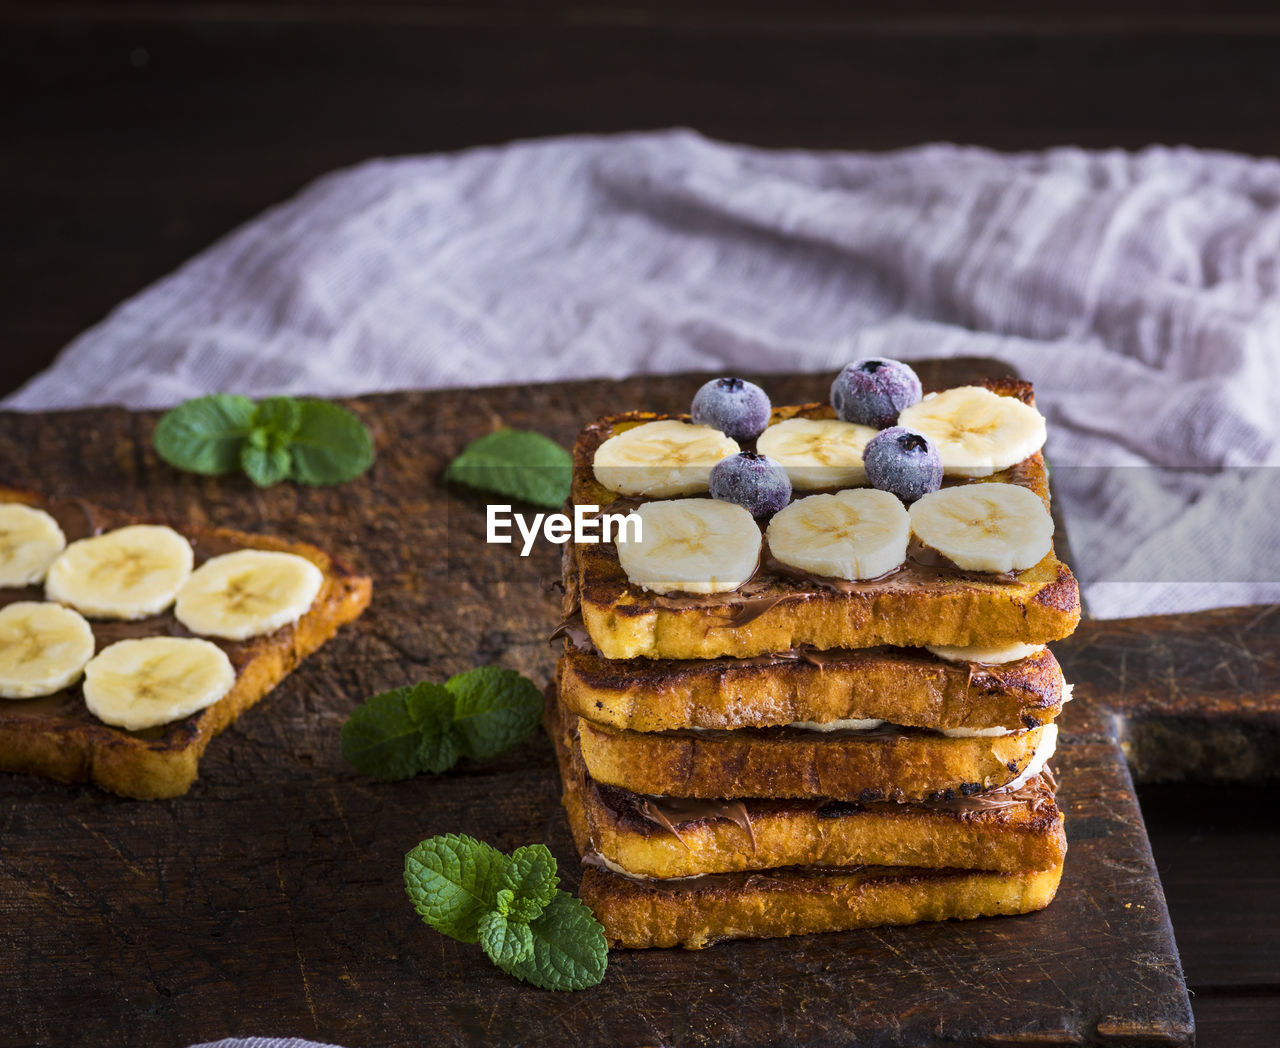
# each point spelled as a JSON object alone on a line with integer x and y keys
{"x": 904, "y": 462}
{"x": 755, "y": 482}
{"x": 871, "y": 392}
{"x": 737, "y": 408}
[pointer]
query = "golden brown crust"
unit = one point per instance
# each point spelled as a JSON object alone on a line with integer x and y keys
{"x": 908, "y": 609}
{"x": 699, "y": 913}
{"x": 75, "y": 747}
{"x": 901, "y": 685}
{"x": 779, "y": 762}
{"x": 1027, "y": 833}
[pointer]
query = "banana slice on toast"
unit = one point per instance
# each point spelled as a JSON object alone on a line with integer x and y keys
{"x": 818, "y": 453}
{"x": 43, "y": 649}
{"x": 247, "y": 593}
{"x": 661, "y": 459}
{"x": 692, "y": 546}
{"x": 130, "y": 573}
{"x": 976, "y": 432}
{"x": 137, "y": 684}
{"x": 850, "y": 535}
{"x": 984, "y": 656}
{"x": 30, "y": 540}
{"x": 984, "y": 527}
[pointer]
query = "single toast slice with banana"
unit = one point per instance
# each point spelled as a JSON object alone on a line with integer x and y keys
{"x": 971, "y": 565}
{"x": 173, "y": 675}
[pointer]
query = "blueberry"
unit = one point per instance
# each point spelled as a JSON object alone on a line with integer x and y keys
{"x": 738, "y": 409}
{"x": 755, "y": 482}
{"x": 904, "y": 462}
{"x": 873, "y": 391}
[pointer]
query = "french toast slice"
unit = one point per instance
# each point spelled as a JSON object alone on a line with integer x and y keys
{"x": 665, "y": 837}
{"x": 915, "y": 606}
{"x": 57, "y": 737}
{"x": 888, "y": 763}
{"x": 702, "y": 911}
{"x": 902, "y": 685}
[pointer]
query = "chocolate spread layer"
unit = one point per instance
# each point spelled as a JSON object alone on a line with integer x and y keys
{"x": 677, "y": 814}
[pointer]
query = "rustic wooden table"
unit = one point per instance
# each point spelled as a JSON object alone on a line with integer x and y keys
{"x": 135, "y": 134}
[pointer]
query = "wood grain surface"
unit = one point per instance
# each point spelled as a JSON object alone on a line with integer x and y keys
{"x": 269, "y": 899}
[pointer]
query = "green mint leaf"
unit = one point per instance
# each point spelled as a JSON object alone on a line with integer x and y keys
{"x": 452, "y": 881}
{"x": 402, "y": 733}
{"x": 530, "y": 881}
{"x": 264, "y": 465}
{"x": 431, "y": 707}
{"x": 330, "y": 445}
{"x": 506, "y": 942}
{"x": 569, "y": 948}
{"x": 205, "y": 435}
{"x": 494, "y": 709}
{"x": 516, "y": 463}
{"x": 279, "y": 416}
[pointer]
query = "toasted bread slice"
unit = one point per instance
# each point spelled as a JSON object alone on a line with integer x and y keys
{"x": 888, "y": 763}
{"x": 57, "y": 737}
{"x": 664, "y": 837}
{"x": 796, "y": 901}
{"x": 902, "y": 685}
{"x": 916, "y": 606}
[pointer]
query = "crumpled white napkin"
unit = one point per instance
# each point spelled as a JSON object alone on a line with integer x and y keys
{"x": 1138, "y": 291}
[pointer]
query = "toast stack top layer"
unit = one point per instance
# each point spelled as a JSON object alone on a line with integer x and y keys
{"x": 920, "y": 604}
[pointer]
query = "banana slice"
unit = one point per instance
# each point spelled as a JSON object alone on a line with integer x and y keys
{"x": 247, "y": 593}
{"x": 818, "y": 453}
{"x": 136, "y": 684}
{"x": 984, "y": 656}
{"x": 849, "y": 535}
{"x": 129, "y": 573}
{"x": 30, "y": 540}
{"x": 977, "y": 432}
{"x": 692, "y": 545}
{"x": 984, "y": 527}
{"x": 43, "y": 649}
{"x": 661, "y": 459}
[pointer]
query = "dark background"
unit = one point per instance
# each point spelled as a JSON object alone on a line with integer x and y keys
{"x": 132, "y": 135}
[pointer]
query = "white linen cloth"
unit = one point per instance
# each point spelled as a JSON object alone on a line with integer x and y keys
{"x": 1140, "y": 293}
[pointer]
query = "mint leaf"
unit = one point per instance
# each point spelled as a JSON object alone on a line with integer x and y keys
{"x": 516, "y": 463}
{"x": 431, "y": 707}
{"x": 494, "y": 709}
{"x": 506, "y": 942}
{"x": 205, "y": 435}
{"x": 279, "y": 416}
{"x": 330, "y": 445}
{"x": 264, "y": 465}
{"x": 401, "y": 733}
{"x": 569, "y": 948}
{"x": 452, "y": 881}
{"x": 529, "y": 883}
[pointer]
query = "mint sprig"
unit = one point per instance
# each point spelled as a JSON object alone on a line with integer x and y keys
{"x": 511, "y": 906}
{"x": 429, "y": 727}
{"x": 516, "y": 463}
{"x": 279, "y": 438}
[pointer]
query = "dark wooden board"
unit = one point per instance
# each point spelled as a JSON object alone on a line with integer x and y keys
{"x": 269, "y": 900}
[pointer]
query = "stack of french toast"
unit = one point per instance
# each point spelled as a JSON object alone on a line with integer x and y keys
{"x": 805, "y": 686}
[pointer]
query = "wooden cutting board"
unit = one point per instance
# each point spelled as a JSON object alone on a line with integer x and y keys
{"x": 269, "y": 899}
